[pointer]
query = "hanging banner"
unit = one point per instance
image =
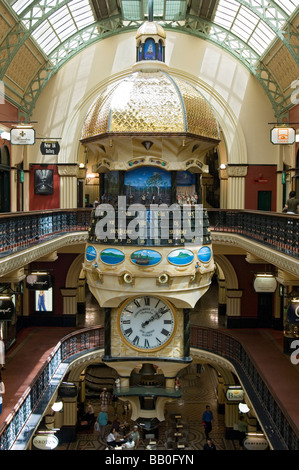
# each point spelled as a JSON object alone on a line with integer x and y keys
{"x": 7, "y": 308}
{"x": 38, "y": 281}
{"x": 282, "y": 135}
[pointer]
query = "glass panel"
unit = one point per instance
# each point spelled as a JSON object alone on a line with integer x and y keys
{"x": 132, "y": 9}
{"x": 230, "y": 14}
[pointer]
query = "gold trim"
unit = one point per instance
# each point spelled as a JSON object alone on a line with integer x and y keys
{"x": 120, "y": 310}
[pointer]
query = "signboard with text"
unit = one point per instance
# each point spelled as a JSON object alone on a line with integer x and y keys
{"x": 38, "y": 281}
{"x": 49, "y": 148}
{"x": 7, "y": 308}
{"x": 22, "y": 136}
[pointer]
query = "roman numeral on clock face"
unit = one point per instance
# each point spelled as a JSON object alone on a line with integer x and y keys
{"x": 135, "y": 341}
{"x": 164, "y": 332}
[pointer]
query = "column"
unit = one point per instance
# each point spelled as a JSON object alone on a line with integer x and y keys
{"x": 173, "y": 189}
{"x": 68, "y": 185}
{"x": 223, "y": 188}
{"x": 233, "y": 307}
{"x": 68, "y": 428}
{"x": 107, "y": 332}
{"x": 186, "y": 332}
{"x": 69, "y": 301}
{"x": 236, "y": 186}
{"x": 221, "y": 297}
{"x": 81, "y": 296}
{"x": 231, "y": 418}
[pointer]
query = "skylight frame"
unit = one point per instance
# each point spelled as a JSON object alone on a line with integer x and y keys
{"x": 237, "y": 18}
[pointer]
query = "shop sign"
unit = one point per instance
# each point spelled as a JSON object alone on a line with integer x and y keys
{"x": 255, "y": 443}
{"x": 234, "y": 394}
{"x": 38, "y": 281}
{"x": 45, "y": 442}
{"x": 49, "y": 148}
{"x": 7, "y": 308}
{"x": 282, "y": 135}
{"x": 22, "y": 136}
{"x": 293, "y": 312}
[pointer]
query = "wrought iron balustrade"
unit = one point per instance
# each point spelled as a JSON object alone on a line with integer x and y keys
{"x": 277, "y": 231}
{"x": 22, "y": 230}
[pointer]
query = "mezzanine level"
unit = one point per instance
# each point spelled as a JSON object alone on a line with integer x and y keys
{"x": 28, "y": 236}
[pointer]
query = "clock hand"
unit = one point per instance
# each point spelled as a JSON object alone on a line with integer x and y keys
{"x": 156, "y": 315}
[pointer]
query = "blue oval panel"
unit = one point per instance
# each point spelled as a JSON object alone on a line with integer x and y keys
{"x": 180, "y": 257}
{"x": 145, "y": 257}
{"x": 112, "y": 256}
{"x": 91, "y": 253}
{"x": 204, "y": 254}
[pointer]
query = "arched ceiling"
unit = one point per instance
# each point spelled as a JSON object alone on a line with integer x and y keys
{"x": 37, "y": 37}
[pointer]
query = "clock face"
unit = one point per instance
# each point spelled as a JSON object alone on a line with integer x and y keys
{"x": 147, "y": 323}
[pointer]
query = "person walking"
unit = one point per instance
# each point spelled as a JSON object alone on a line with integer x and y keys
{"x": 102, "y": 419}
{"x": 207, "y": 419}
{"x": 104, "y": 399}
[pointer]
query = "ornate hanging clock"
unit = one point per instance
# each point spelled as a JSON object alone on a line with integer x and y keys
{"x": 147, "y": 323}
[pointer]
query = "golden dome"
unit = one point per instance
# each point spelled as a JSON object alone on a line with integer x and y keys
{"x": 150, "y": 103}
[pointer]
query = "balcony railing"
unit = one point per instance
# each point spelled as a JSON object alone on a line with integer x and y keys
{"x": 22, "y": 230}
{"x": 277, "y": 231}
{"x": 17, "y": 430}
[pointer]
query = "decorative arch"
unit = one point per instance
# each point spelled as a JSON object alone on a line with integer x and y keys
{"x": 74, "y": 272}
{"x": 228, "y": 271}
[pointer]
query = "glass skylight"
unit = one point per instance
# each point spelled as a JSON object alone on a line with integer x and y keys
{"x": 247, "y": 25}
{"x": 59, "y": 26}
{"x": 255, "y": 22}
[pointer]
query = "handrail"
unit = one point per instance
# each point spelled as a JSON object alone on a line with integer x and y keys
{"x": 283, "y": 435}
{"x": 277, "y": 231}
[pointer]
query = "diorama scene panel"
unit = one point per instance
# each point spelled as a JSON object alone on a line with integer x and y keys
{"x": 150, "y": 185}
